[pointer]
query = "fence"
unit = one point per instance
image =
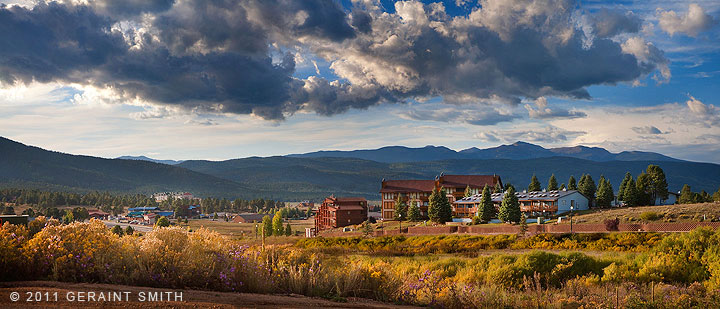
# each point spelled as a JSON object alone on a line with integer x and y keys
{"x": 534, "y": 229}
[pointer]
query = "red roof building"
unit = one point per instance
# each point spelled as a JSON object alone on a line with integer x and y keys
{"x": 340, "y": 211}
{"x": 418, "y": 191}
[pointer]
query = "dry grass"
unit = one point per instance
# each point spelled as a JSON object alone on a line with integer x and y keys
{"x": 240, "y": 230}
{"x": 667, "y": 213}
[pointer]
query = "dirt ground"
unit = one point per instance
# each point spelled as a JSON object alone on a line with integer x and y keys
{"x": 69, "y": 295}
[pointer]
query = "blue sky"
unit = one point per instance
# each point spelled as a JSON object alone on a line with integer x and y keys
{"x": 193, "y": 80}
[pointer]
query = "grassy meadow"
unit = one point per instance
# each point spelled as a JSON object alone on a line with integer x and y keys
{"x": 633, "y": 270}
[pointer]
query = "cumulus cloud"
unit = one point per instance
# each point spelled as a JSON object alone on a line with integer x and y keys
{"x": 647, "y": 130}
{"x": 548, "y": 134}
{"x": 692, "y": 23}
{"x": 237, "y": 56}
{"x": 608, "y": 23}
{"x": 648, "y": 55}
{"x": 708, "y": 113}
{"x": 544, "y": 112}
{"x": 482, "y": 116}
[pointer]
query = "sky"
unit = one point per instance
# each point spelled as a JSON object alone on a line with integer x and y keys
{"x": 194, "y": 79}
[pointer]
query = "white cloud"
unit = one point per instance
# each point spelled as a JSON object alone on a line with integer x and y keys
{"x": 544, "y": 112}
{"x": 692, "y": 23}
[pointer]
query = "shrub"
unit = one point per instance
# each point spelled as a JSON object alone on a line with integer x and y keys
{"x": 612, "y": 224}
{"x": 650, "y": 216}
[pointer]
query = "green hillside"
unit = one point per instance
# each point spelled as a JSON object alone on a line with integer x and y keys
{"x": 32, "y": 167}
{"x": 317, "y": 177}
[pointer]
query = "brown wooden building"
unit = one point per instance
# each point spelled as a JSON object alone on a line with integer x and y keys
{"x": 418, "y": 191}
{"x": 340, "y": 211}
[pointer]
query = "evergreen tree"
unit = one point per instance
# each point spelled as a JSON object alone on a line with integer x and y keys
{"x": 587, "y": 187}
{"x": 468, "y": 191}
{"x": 644, "y": 188}
{"x": 414, "y": 213}
{"x": 704, "y": 197}
{"x": 562, "y": 186}
{"x": 267, "y": 226}
{"x": 716, "y": 195}
{"x": 400, "y": 208}
{"x": 498, "y": 188}
{"x": 129, "y": 230}
{"x": 162, "y": 222}
{"x": 510, "y": 207}
{"x": 630, "y": 196}
{"x": 277, "y": 224}
{"x": 605, "y": 194}
{"x": 486, "y": 208}
{"x": 534, "y": 184}
{"x": 288, "y": 230}
{"x": 552, "y": 183}
{"x": 439, "y": 208}
{"x": 367, "y": 228}
{"x": 117, "y": 230}
{"x": 623, "y": 185}
{"x": 571, "y": 183}
{"x": 657, "y": 184}
{"x": 686, "y": 195}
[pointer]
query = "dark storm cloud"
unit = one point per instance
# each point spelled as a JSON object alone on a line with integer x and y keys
{"x": 608, "y": 23}
{"x": 238, "y": 56}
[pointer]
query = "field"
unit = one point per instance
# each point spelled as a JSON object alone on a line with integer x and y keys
{"x": 665, "y": 213}
{"x": 633, "y": 270}
{"x": 243, "y": 230}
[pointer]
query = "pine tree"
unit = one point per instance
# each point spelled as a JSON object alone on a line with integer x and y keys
{"x": 658, "y": 183}
{"x": 686, "y": 195}
{"x": 510, "y": 207}
{"x": 644, "y": 188}
{"x": 552, "y": 183}
{"x": 468, "y": 193}
{"x": 623, "y": 185}
{"x": 486, "y": 209}
{"x": 367, "y": 228}
{"x": 117, "y": 230}
{"x": 434, "y": 205}
{"x": 705, "y": 197}
{"x": 630, "y": 195}
{"x": 414, "y": 213}
{"x": 534, "y": 184}
{"x": 562, "y": 186}
{"x": 400, "y": 208}
{"x": 277, "y": 224}
{"x": 288, "y": 230}
{"x": 498, "y": 188}
{"x": 571, "y": 183}
{"x": 716, "y": 195}
{"x": 445, "y": 207}
{"x": 587, "y": 187}
{"x": 605, "y": 194}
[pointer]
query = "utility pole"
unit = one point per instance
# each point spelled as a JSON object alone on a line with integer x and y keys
{"x": 571, "y": 217}
{"x": 263, "y": 239}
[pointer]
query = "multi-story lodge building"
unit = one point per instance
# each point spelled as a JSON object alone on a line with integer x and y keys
{"x": 340, "y": 211}
{"x": 418, "y": 192}
{"x": 534, "y": 203}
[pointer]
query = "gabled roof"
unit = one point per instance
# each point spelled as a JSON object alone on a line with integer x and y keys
{"x": 408, "y": 186}
{"x": 462, "y": 181}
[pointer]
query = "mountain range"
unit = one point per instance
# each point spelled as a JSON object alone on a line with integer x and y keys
{"x": 144, "y": 158}
{"x": 317, "y": 175}
{"x": 515, "y": 151}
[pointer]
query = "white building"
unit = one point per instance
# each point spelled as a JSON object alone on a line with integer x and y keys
{"x": 534, "y": 203}
{"x": 164, "y": 196}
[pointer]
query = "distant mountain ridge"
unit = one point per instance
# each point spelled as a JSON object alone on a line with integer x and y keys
{"x": 293, "y": 178}
{"x": 144, "y": 158}
{"x": 516, "y": 151}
